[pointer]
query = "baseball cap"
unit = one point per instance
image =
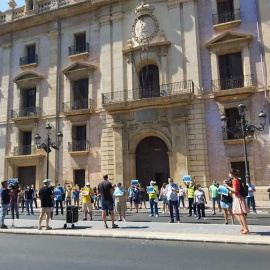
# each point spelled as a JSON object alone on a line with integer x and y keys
{"x": 87, "y": 184}
{"x": 46, "y": 181}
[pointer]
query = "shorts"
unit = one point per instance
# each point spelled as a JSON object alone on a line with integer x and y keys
{"x": 106, "y": 205}
{"x": 164, "y": 200}
{"x": 46, "y": 210}
{"x": 130, "y": 200}
{"x": 121, "y": 207}
{"x": 87, "y": 207}
{"x": 226, "y": 205}
{"x": 217, "y": 199}
{"x": 76, "y": 200}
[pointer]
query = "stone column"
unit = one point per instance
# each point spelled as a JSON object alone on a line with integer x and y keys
{"x": 246, "y": 65}
{"x": 117, "y": 41}
{"x": 176, "y": 54}
{"x": 214, "y": 67}
{"x": 118, "y": 153}
{"x": 90, "y": 85}
{"x": 105, "y": 52}
{"x": 129, "y": 77}
{"x": 164, "y": 64}
{"x": 132, "y": 168}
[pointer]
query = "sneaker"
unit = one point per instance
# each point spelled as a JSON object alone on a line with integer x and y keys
{"x": 84, "y": 219}
{"x": 163, "y": 213}
{"x": 48, "y": 228}
{"x": 119, "y": 219}
{"x": 124, "y": 220}
{"x": 178, "y": 221}
{"x": 171, "y": 221}
{"x": 198, "y": 218}
{"x": 189, "y": 215}
{"x": 32, "y": 214}
{"x": 151, "y": 215}
{"x": 28, "y": 214}
{"x": 156, "y": 215}
{"x": 56, "y": 214}
{"x": 4, "y": 227}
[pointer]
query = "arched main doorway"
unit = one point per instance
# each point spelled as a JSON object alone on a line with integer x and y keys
{"x": 152, "y": 161}
{"x": 149, "y": 81}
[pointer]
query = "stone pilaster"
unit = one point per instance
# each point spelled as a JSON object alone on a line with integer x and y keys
{"x": 118, "y": 153}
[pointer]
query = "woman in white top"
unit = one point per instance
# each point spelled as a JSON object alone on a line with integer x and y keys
{"x": 163, "y": 196}
{"x": 200, "y": 201}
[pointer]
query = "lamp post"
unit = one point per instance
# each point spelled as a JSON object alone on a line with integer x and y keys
{"x": 245, "y": 128}
{"x": 48, "y": 144}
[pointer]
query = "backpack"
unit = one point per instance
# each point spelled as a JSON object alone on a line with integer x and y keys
{"x": 243, "y": 189}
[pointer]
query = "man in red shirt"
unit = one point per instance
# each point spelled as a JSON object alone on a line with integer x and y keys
{"x": 13, "y": 194}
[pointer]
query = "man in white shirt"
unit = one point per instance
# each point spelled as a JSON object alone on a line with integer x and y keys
{"x": 181, "y": 196}
{"x": 250, "y": 197}
{"x": 172, "y": 191}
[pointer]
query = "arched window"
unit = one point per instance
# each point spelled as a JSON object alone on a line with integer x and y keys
{"x": 149, "y": 81}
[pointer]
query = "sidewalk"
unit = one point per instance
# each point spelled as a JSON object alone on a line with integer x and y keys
{"x": 260, "y": 235}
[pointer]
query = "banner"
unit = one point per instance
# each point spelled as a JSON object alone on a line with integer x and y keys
{"x": 223, "y": 190}
{"x": 85, "y": 191}
{"x": 150, "y": 189}
{"x": 186, "y": 178}
{"x": 13, "y": 181}
{"x": 118, "y": 192}
{"x": 134, "y": 182}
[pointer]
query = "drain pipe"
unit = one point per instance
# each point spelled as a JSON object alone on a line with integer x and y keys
{"x": 58, "y": 96}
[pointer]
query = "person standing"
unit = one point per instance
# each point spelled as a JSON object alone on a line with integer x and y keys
{"x": 181, "y": 196}
{"x": 172, "y": 197}
{"x": 28, "y": 194}
{"x": 76, "y": 195}
{"x": 136, "y": 198}
{"x": 268, "y": 191}
{"x": 250, "y": 197}
{"x": 87, "y": 194}
{"x": 68, "y": 195}
{"x": 213, "y": 194}
{"x": 58, "y": 196}
{"x": 130, "y": 196}
{"x": 163, "y": 197}
{"x": 21, "y": 199}
{"x": 142, "y": 196}
{"x": 105, "y": 189}
{"x": 191, "y": 193}
{"x": 4, "y": 203}
{"x": 14, "y": 201}
{"x": 240, "y": 208}
{"x": 226, "y": 204}
{"x": 120, "y": 194}
{"x": 153, "y": 200}
{"x": 200, "y": 201}
{"x": 35, "y": 195}
{"x": 46, "y": 198}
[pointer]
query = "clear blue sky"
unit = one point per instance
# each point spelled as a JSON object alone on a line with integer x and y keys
{"x": 4, "y": 4}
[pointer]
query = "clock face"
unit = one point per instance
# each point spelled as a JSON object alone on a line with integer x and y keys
{"x": 145, "y": 28}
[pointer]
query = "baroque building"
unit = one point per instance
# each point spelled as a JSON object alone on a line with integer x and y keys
{"x": 137, "y": 89}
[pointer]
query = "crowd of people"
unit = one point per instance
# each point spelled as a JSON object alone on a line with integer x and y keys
{"x": 114, "y": 198}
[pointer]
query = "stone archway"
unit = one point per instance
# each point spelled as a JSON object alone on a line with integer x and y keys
{"x": 152, "y": 161}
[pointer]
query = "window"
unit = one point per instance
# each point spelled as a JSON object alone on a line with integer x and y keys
{"x": 80, "y": 46}
{"x": 31, "y": 53}
{"x": 242, "y": 169}
{"x": 80, "y": 93}
{"x": 225, "y": 11}
{"x": 79, "y": 178}
{"x": 234, "y": 132}
{"x": 149, "y": 81}
{"x": 79, "y": 138}
{"x": 28, "y": 102}
{"x": 26, "y": 141}
{"x": 231, "y": 71}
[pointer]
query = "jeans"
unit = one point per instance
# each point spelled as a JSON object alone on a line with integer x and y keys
{"x": 191, "y": 206}
{"x": 174, "y": 204}
{"x": 35, "y": 202}
{"x": 152, "y": 205}
{"x": 98, "y": 199}
{"x": 252, "y": 201}
{"x": 14, "y": 206}
{"x": 4, "y": 213}
{"x": 181, "y": 199}
{"x": 59, "y": 202}
{"x": 201, "y": 210}
{"x": 29, "y": 202}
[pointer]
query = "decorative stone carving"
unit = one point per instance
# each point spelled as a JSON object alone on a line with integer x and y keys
{"x": 12, "y": 4}
{"x": 146, "y": 26}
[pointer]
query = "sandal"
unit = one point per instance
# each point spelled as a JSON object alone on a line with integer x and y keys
{"x": 106, "y": 226}
{"x": 48, "y": 228}
{"x": 114, "y": 226}
{"x": 39, "y": 228}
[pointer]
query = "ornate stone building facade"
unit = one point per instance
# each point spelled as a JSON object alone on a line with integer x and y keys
{"x": 137, "y": 88}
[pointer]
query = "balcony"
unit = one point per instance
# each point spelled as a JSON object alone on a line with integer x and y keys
{"x": 227, "y": 19}
{"x": 179, "y": 92}
{"x": 234, "y": 135}
{"x": 23, "y": 150}
{"x": 25, "y": 113}
{"x": 81, "y": 50}
{"x": 233, "y": 88}
{"x": 29, "y": 61}
{"x": 77, "y": 148}
{"x": 77, "y": 107}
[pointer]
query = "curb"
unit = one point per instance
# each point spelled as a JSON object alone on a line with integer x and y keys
{"x": 205, "y": 238}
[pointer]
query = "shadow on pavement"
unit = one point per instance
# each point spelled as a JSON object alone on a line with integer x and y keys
{"x": 134, "y": 227}
{"x": 260, "y": 233}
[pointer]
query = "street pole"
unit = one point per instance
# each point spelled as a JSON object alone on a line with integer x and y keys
{"x": 48, "y": 149}
{"x": 243, "y": 126}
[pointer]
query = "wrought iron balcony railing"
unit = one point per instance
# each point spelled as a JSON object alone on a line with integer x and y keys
{"x": 77, "y": 105}
{"x": 226, "y": 16}
{"x": 80, "y": 48}
{"x": 25, "y": 112}
{"x": 76, "y": 146}
{"x": 27, "y": 60}
{"x": 23, "y": 150}
{"x": 232, "y": 83}
{"x": 178, "y": 88}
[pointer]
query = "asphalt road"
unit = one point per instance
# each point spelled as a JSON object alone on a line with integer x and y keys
{"x": 26, "y": 252}
{"x": 259, "y": 219}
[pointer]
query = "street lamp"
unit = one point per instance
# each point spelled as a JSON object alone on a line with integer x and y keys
{"x": 48, "y": 144}
{"x": 244, "y": 127}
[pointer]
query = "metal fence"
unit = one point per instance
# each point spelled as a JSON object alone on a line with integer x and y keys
{"x": 25, "y": 112}
{"x": 77, "y": 105}
{"x": 232, "y": 83}
{"x": 80, "y": 48}
{"x": 29, "y": 60}
{"x": 178, "y": 88}
{"x": 23, "y": 150}
{"x": 226, "y": 16}
{"x": 76, "y": 146}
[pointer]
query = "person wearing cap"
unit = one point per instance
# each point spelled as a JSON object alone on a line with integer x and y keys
{"x": 213, "y": 194}
{"x": 120, "y": 194}
{"x": 153, "y": 199}
{"x": 87, "y": 194}
{"x": 45, "y": 196}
